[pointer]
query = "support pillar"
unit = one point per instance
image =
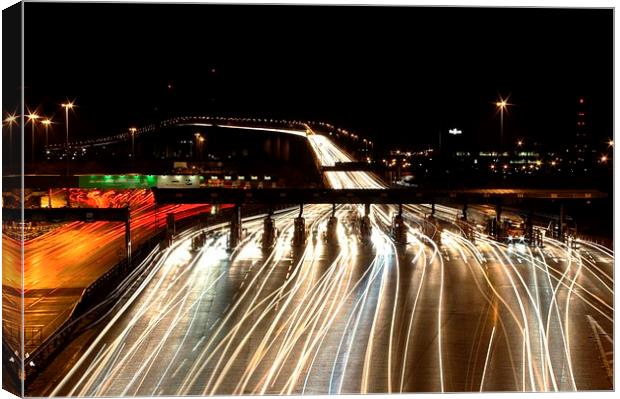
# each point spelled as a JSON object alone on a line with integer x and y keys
{"x": 433, "y": 209}
{"x": 529, "y": 229}
{"x": 299, "y": 232}
{"x": 498, "y": 222}
{"x": 268, "y": 231}
{"x": 464, "y": 217}
{"x": 235, "y": 227}
{"x": 49, "y": 198}
{"x": 332, "y": 233}
{"x": 399, "y": 231}
{"x": 365, "y": 226}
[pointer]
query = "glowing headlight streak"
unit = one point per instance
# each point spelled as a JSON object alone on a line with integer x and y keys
{"x": 379, "y": 242}
{"x": 164, "y": 309}
{"x": 374, "y": 270}
{"x": 327, "y": 285}
{"x": 568, "y": 301}
{"x": 554, "y": 303}
{"x": 486, "y": 361}
{"x": 537, "y": 316}
{"x": 413, "y": 311}
{"x": 202, "y": 362}
{"x": 165, "y": 260}
{"x": 523, "y": 328}
{"x": 477, "y": 255}
{"x": 200, "y": 365}
{"x": 279, "y": 315}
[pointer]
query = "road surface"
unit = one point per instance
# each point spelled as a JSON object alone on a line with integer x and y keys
{"x": 336, "y": 316}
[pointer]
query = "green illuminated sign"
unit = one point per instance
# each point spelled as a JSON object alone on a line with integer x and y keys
{"x": 117, "y": 181}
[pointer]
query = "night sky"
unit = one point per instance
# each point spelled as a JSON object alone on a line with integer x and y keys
{"x": 396, "y": 74}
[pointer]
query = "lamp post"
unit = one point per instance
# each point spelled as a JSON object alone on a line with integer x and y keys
{"x": 46, "y": 123}
{"x": 132, "y": 130}
{"x": 32, "y": 117}
{"x": 502, "y": 106}
{"x": 199, "y": 140}
{"x": 11, "y": 119}
{"x": 67, "y": 106}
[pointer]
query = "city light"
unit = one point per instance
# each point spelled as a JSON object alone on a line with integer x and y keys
{"x": 290, "y": 256}
{"x": 11, "y": 119}
{"x": 67, "y": 106}
{"x": 502, "y": 105}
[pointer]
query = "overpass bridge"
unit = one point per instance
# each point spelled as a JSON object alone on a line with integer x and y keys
{"x": 278, "y": 196}
{"x": 395, "y": 196}
{"x": 294, "y": 127}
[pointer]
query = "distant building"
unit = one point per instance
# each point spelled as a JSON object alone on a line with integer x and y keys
{"x": 582, "y": 132}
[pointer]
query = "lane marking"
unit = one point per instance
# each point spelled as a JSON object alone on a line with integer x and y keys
{"x": 595, "y": 333}
{"x": 486, "y": 361}
{"x": 175, "y": 372}
{"x": 198, "y": 343}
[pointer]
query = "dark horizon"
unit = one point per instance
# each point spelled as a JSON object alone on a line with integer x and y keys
{"x": 397, "y": 74}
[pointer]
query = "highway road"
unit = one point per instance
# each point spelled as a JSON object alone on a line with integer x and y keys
{"x": 62, "y": 262}
{"x": 337, "y": 316}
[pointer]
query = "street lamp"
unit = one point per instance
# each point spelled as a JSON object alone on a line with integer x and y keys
{"x": 46, "y": 123}
{"x": 11, "y": 119}
{"x": 199, "y": 140}
{"x": 32, "y": 118}
{"x": 501, "y": 104}
{"x": 132, "y": 130}
{"x": 67, "y": 106}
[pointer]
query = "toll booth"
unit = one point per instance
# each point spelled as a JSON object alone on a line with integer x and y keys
{"x": 299, "y": 232}
{"x": 399, "y": 230}
{"x": 235, "y": 228}
{"x": 331, "y": 234}
{"x": 537, "y": 238}
{"x": 299, "y": 229}
{"x": 365, "y": 227}
{"x": 269, "y": 232}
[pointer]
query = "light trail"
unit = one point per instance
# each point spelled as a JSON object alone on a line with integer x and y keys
{"x": 486, "y": 361}
{"x": 315, "y": 319}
